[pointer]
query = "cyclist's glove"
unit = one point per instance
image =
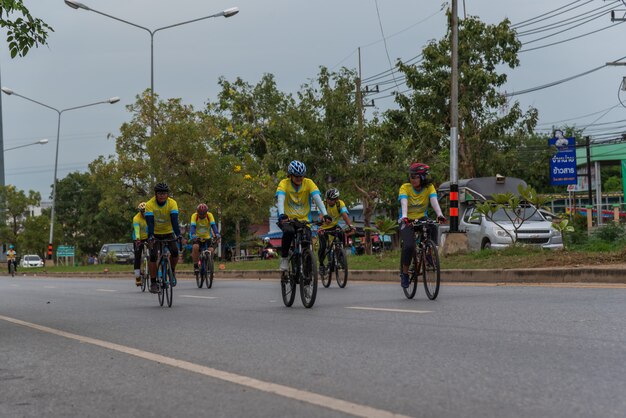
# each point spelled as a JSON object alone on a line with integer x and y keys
{"x": 441, "y": 219}
{"x": 405, "y": 221}
{"x": 282, "y": 217}
{"x": 328, "y": 218}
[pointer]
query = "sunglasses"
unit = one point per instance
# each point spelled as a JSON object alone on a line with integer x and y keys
{"x": 415, "y": 176}
{"x": 297, "y": 177}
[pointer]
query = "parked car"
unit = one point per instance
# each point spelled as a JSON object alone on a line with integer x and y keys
{"x": 117, "y": 253}
{"x": 31, "y": 260}
{"x": 499, "y": 232}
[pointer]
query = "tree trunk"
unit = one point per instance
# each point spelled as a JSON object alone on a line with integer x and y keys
{"x": 237, "y": 239}
{"x": 368, "y": 210}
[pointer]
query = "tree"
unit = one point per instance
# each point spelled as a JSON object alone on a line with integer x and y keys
{"x": 23, "y": 32}
{"x": 17, "y": 204}
{"x": 488, "y": 123}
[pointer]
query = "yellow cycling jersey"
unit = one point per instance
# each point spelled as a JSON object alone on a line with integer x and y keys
{"x": 298, "y": 202}
{"x": 418, "y": 200}
{"x": 203, "y": 226}
{"x": 335, "y": 213}
{"x": 140, "y": 227}
{"x": 161, "y": 213}
{"x": 11, "y": 254}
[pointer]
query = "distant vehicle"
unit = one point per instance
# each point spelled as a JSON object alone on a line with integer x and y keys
{"x": 499, "y": 232}
{"x": 31, "y": 260}
{"x": 117, "y": 253}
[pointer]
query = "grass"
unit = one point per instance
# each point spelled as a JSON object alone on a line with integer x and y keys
{"x": 515, "y": 257}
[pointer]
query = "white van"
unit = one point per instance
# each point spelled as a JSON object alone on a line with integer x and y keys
{"x": 499, "y": 232}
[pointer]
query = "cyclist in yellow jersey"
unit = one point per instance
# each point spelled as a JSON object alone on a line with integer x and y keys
{"x": 162, "y": 219}
{"x": 336, "y": 208}
{"x": 294, "y": 199}
{"x": 11, "y": 258}
{"x": 140, "y": 235}
{"x": 203, "y": 229}
{"x": 414, "y": 198}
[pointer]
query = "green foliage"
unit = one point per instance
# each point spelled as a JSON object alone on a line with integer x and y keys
{"x": 383, "y": 226}
{"x": 16, "y": 210}
{"x": 24, "y": 31}
{"x": 563, "y": 227}
{"x": 610, "y": 232}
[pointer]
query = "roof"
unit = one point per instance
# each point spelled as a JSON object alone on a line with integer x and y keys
{"x": 483, "y": 188}
{"x": 601, "y": 152}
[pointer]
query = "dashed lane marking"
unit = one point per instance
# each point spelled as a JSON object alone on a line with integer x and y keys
{"x": 106, "y": 290}
{"x": 365, "y": 308}
{"x": 198, "y": 297}
{"x": 298, "y": 395}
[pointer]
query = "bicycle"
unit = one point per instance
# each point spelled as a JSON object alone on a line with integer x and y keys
{"x": 302, "y": 268}
{"x": 425, "y": 261}
{"x": 336, "y": 256}
{"x": 205, "y": 266}
{"x": 164, "y": 272}
{"x": 12, "y": 268}
{"x": 144, "y": 273}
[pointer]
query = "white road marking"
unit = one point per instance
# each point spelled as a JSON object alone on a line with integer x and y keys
{"x": 364, "y": 308}
{"x": 198, "y": 297}
{"x": 298, "y": 395}
{"x": 106, "y": 290}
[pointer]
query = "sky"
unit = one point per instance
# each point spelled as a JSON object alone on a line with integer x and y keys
{"x": 91, "y": 58}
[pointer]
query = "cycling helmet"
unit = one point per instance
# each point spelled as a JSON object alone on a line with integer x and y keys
{"x": 296, "y": 168}
{"x": 419, "y": 168}
{"x": 202, "y": 209}
{"x": 266, "y": 240}
{"x": 332, "y": 194}
{"x": 11, "y": 246}
{"x": 142, "y": 206}
{"x": 161, "y": 187}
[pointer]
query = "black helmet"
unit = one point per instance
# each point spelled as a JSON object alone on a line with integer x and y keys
{"x": 161, "y": 187}
{"x": 332, "y": 194}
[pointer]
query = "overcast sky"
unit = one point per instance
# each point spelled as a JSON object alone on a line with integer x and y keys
{"x": 91, "y": 58}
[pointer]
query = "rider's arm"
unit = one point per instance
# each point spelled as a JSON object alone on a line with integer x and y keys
{"x": 404, "y": 207}
{"x": 150, "y": 223}
{"x": 174, "y": 220}
{"x": 192, "y": 230}
{"x": 317, "y": 197}
{"x": 136, "y": 231}
{"x": 214, "y": 229}
{"x": 346, "y": 219}
{"x": 280, "y": 202}
{"x": 435, "y": 204}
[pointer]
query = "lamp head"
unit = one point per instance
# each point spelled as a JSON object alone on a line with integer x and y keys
{"x": 7, "y": 90}
{"x": 76, "y": 5}
{"x": 114, "y": 99}
{"x": 231, "y": 12}
{"x": 43, "y": 141}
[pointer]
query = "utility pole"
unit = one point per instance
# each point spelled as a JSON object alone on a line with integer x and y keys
{"x": 359, "y": 106}
{"x": 588, "y": 151}
{"x": 454, "y": 120}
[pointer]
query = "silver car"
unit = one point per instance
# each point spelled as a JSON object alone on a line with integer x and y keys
{"x": 499, "y": 232}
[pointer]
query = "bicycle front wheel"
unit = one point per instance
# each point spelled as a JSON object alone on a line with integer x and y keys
{"x": 341, "y": 268}
{"x": 199, "y": 274}
{"x": 144, "y": 273}
{"x": 327, "y": 275}
{"x": 432, "y": 272}
{"x": 169, "y": 289}
{"x": 288, "y": 282}
{"x": 308, "y": 284}
{"x": 161, "y": 275}
{"x": 208, "y": 280}
{"x": 12, "y": 269}
{"x": 415, "y": 269}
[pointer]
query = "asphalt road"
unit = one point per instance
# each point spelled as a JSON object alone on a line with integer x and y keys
{"x": 95, "y": 348}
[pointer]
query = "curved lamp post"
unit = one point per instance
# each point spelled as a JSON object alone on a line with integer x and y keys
{"x": 56, "y": 157}
{"x": 225, "y": 13}
{"x": 40, "y": 142}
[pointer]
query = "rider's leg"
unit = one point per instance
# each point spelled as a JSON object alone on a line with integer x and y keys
{"x": 408, "y": 249}
{"x": 321, "y": 252}
{"x": 152, "y": 269}
{"x": 288, "y": 234}
{"x": 195, "y": 253}
{"x": 137, "y": 263}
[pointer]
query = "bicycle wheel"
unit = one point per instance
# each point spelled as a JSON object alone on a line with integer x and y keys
{"x": 199, "y": 278}
{"x": 414, "y": 272}
{"x": 341, "y": 268}
{"x": 328, "y": 274}
{"x": 288, "y": 282}
{"x": 169, "y": 289}
{"x": 144, "y": 273}
{"x": 208, "y": 279}
{"x": 12, "y": 269}
{"x": 432, "y": 272}
{"x": 308, "y": 284}
{"x": 161, "y": 274}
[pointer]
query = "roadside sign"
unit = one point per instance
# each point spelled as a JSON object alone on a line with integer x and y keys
{"x": 563, "y": 162}
{"x": 65, "y": 251}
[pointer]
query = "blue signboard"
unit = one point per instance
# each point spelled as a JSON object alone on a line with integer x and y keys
{"x": 563, "y": 162}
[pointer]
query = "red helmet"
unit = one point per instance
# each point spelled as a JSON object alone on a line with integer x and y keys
{"x": 202, "y": 209}
{"x": 419, "y": 168}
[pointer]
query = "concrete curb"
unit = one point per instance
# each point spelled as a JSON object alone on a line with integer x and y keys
{"x": 583, "y": 274}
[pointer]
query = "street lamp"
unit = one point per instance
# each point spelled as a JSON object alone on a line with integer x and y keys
{"x": 40, "y": 142}
{"x": 56, "y": 157}
{"x": 225, "y": 13}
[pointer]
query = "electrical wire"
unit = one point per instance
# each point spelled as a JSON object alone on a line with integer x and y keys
{"x": 571, "y": 39}
{"x": 557, "y": 10}
{"x": 382, "y": 32}
{"x": 600, "y": 11}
